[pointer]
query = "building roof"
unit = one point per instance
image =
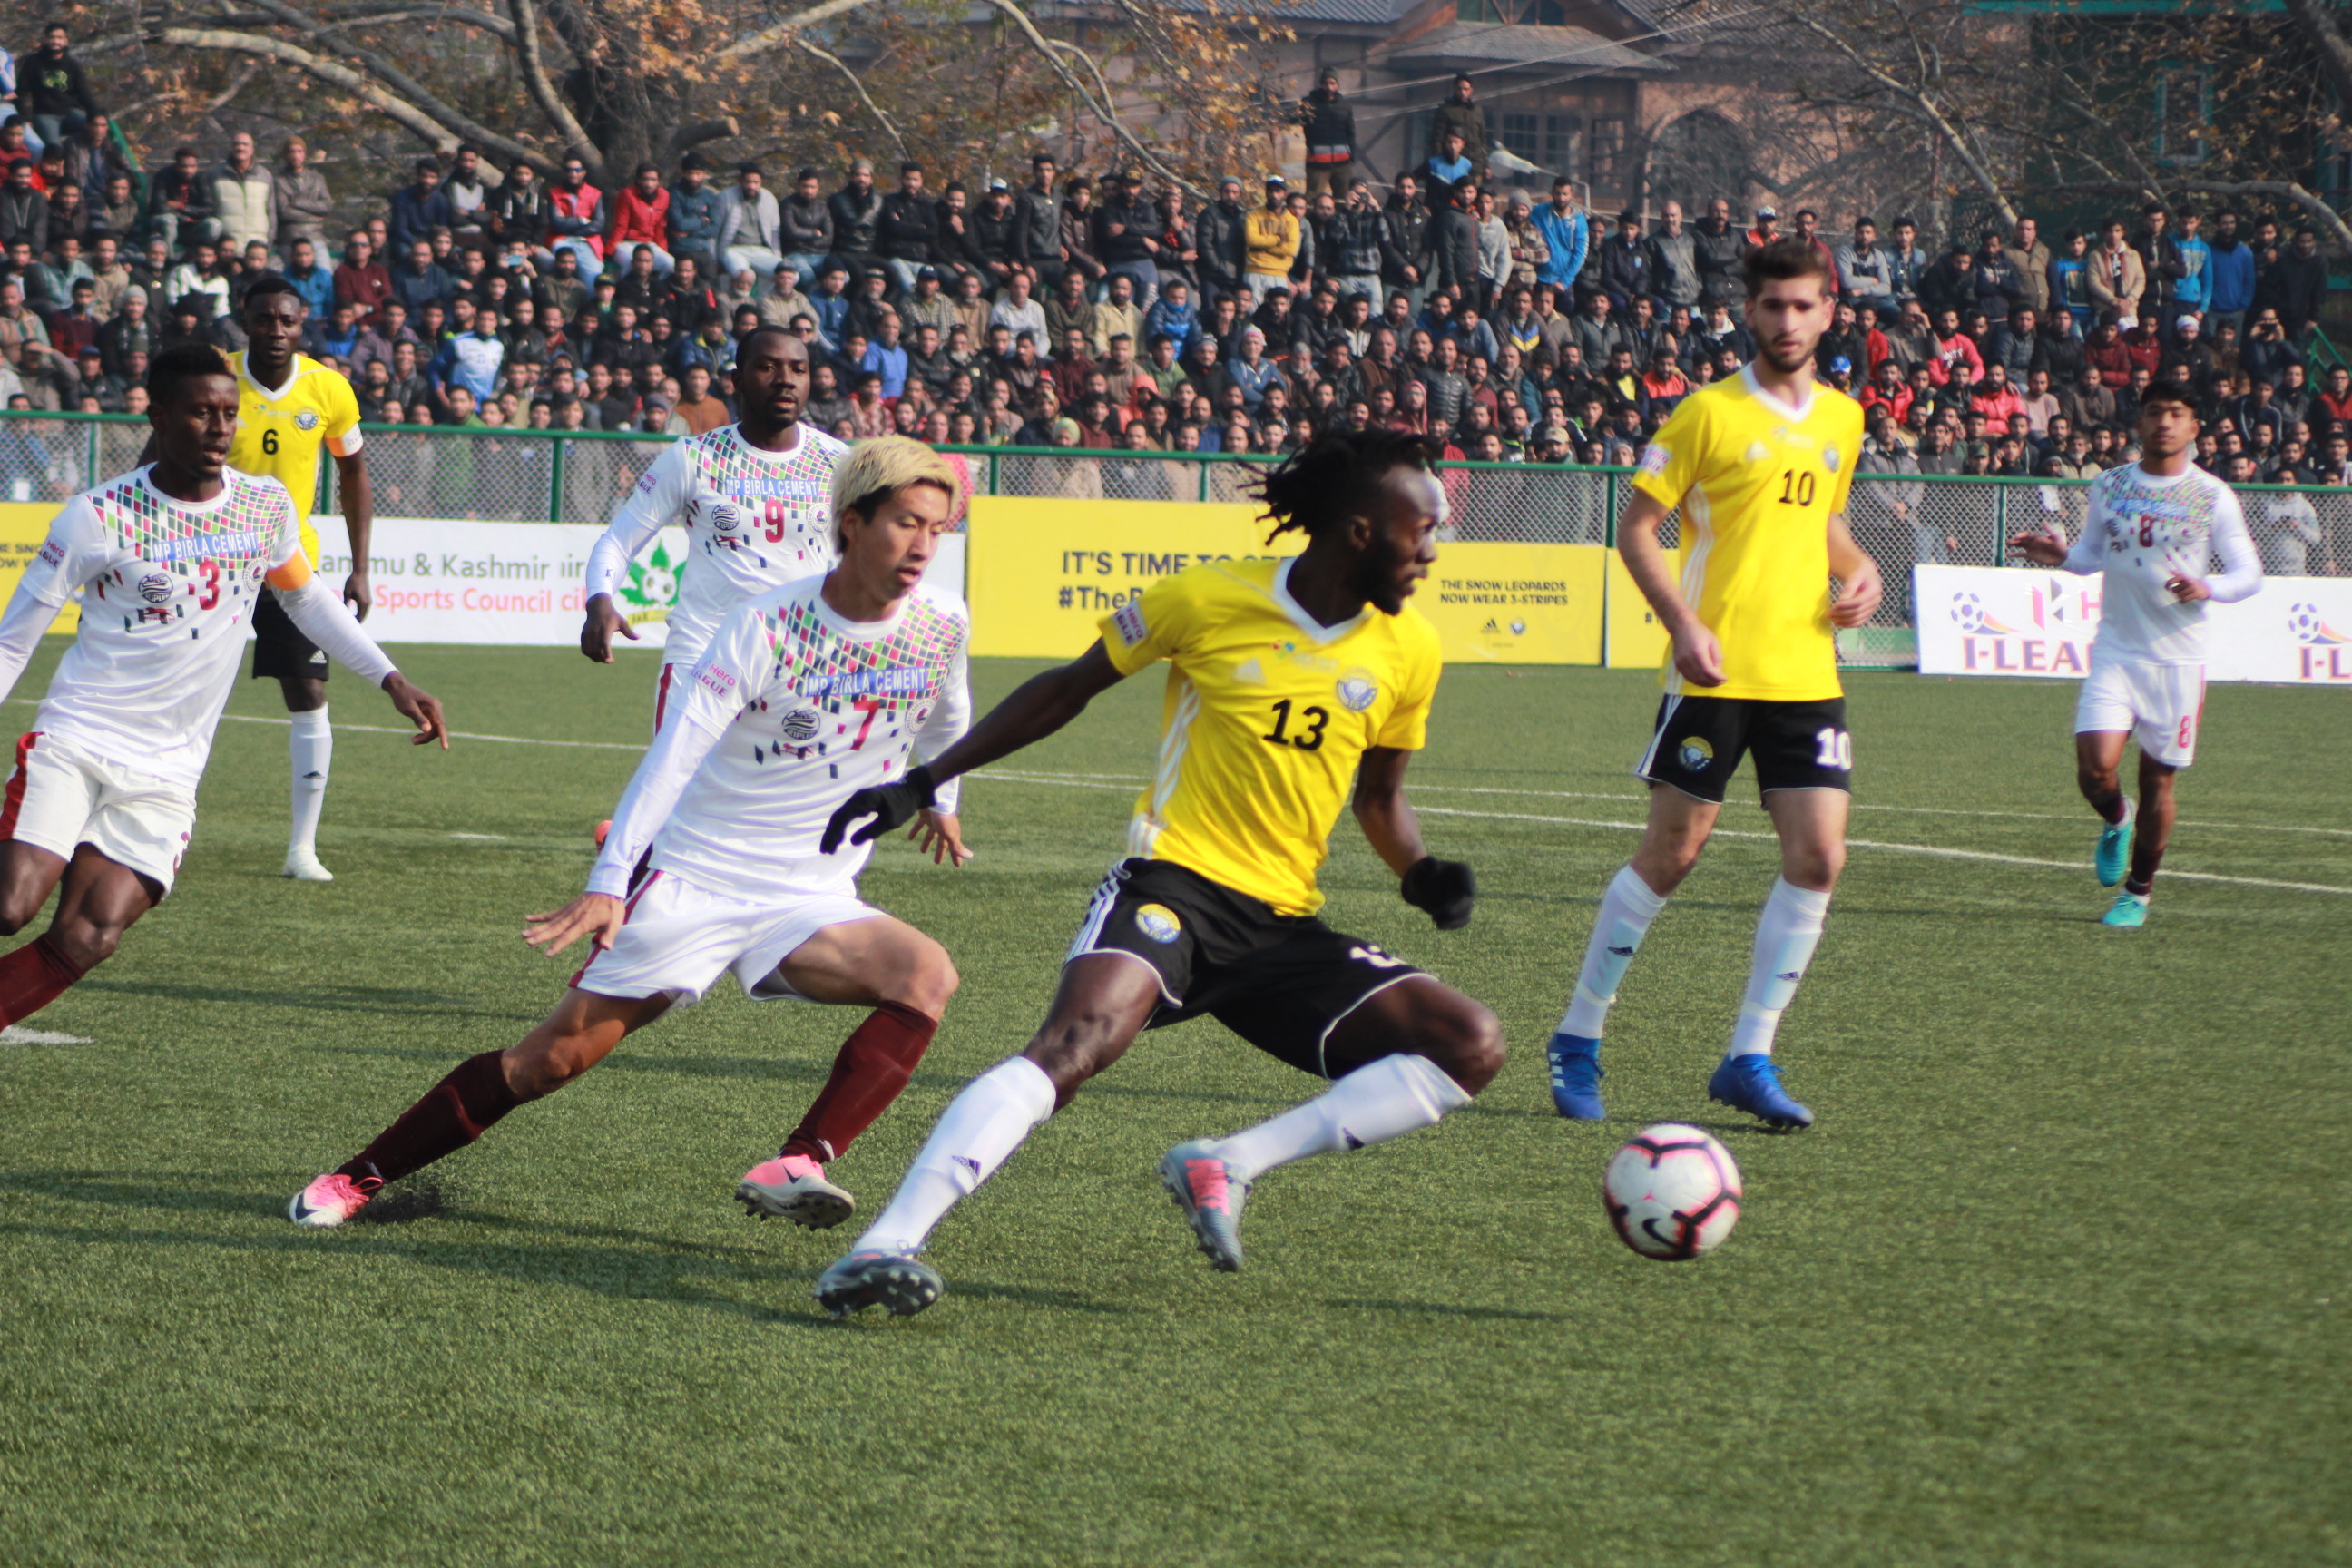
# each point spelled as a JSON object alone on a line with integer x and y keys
{"x": 1360, "y": 13}
{"x": 1458, "y": 43}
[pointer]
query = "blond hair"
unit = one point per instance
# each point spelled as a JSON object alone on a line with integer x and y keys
{"x": 878, "y": 468}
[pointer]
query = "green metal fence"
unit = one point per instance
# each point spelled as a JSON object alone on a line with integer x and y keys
{"x": 576, "y": 476}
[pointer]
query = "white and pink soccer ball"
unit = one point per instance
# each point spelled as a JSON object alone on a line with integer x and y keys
{"x": 1673, "y": 1192}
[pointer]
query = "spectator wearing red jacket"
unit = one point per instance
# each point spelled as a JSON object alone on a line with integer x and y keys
{"x": 362, "y": 282}
{"x": 1995, "y": 398}
{"x": 575, "y": 218}
{"x": 2107, "y": 353}
{"x": 641, "y": 216}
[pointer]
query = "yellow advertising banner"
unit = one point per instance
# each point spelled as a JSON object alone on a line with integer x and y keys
{"x": 1041, "y": 574}
{"x": 1636, "y": 640}
{"x": 23, "y": 526}
{"x": 1516, "y": 604}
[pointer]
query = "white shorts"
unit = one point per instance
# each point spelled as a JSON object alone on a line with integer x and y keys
{"x": 2161, "y": 705}
{"x": 679, "y": 940}
{"x": 61, "y": 798}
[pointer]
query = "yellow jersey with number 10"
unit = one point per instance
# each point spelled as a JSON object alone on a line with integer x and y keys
{"x": 1758, "y": 482}
{"x": 1265, "y": 717}
{"x": 279, "y": 433}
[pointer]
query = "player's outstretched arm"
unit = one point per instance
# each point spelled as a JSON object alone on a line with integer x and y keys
{"x": 659, "y": 498}
{"x": 1445, "y": 888}
{"x": 322, "y": 617}
{"x": 1852, "y": 565}
{"x": 1699, "y": 657}
{"x": 1038, "y": 707}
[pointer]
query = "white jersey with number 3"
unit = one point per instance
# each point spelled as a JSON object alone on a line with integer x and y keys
{"x": 2144, "y": 530}
{"x": 754, "y": 520}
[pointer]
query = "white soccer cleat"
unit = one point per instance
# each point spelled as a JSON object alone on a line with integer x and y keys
{"x": 331, "y": 1199}
{"x": 302, "y": 865}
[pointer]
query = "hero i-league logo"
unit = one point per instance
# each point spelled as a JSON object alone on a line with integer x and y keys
{"x": 2321, "y": 650}
{"x": 2062, "y": 615}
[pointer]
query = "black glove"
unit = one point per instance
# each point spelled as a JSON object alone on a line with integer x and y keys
{"x": 1445, "y": 888}
{"x": 888, "y": 804}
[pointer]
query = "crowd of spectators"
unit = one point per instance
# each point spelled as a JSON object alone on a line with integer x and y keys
{"x": 1097, "y": 314}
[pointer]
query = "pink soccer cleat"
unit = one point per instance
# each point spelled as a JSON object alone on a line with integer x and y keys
{"x": 792, "y": 1187}
{"x": 1203, "y": 1185}
{"x": 331, "y": 1199}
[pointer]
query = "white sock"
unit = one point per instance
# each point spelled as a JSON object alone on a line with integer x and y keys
{"x": 1385, "y": 1099}
{"x": 1785, "y": 934}
{"x": 978, "y": 1132}
{"x": 1626, "y": 911}
{"x": 313, "y": 747}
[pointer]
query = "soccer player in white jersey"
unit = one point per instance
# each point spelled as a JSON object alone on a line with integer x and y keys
{"x": 2151, "y": 528}
{"x": 806, "y": 693}
{"x": 172, "y": 557}
{"x": 754, "y": 497}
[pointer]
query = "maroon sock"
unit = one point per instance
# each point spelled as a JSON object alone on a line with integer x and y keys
{"x": 453, "y": 1113}
{"x": 874, "y": 1065}
{"x": 32, "y": 977}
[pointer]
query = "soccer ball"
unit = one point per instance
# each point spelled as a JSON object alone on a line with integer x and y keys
{"x": 1672, "y": 1193}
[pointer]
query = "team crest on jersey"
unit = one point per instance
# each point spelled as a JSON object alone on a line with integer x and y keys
{"x": 155, "y": 588}
{"x": 801, "y": 724}
{"x": 1698, "y": 754}
{"x": 1829, "y": 458}
{"x": 1158, "y": 922}
{"x": 308, "y": 419}
{"x": 1757, "y": 452}
{"x": 1356, "y": 691}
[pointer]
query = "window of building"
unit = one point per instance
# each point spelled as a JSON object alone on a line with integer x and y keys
{"x": 1608, "y": 150}
{"x": 2184, "y": 113}
{"x": 1521, "y": 12}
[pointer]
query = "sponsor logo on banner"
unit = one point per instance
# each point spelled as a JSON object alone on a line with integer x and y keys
{"x": 2016, "y": 621}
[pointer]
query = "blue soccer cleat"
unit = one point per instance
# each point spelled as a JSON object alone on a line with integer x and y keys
{"x": 1752, "y": 1084}
{"x": 2115, "y": 849}
{"x": 1576, "y": 1077}
{"x": 2128, "y": 913}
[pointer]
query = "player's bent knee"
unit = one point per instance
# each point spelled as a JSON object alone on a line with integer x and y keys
{"x": 1463, "y": 1037}
{"x": 86, "y": 943}
{"x": 928, "y": 981}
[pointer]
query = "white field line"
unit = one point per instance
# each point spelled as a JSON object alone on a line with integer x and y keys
{"x": 1101, "y": 782}
{"x": 12, "y": 1035}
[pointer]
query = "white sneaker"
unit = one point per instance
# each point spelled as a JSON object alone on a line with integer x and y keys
{"x": 302, "y": 865}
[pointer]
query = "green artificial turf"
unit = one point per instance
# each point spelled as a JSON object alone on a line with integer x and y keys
{"x": 2059, "y": 1278}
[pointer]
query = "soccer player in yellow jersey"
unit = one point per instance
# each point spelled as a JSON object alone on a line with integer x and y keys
{"x": 289, "y": 408}
{"x": 1759, "y": 465}
{"x": 1288, "y": 680}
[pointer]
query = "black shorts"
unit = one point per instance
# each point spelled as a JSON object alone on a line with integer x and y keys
{"x": 1796, "y": 746}
{"x": 280, "y": 651}
{"x": 1280, "y": 981}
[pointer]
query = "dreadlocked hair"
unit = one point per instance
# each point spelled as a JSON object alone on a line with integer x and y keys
{"x": 1334, "y": 477}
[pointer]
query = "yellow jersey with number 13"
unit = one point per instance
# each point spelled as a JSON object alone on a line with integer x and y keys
{"x": 1267, "y": 714}
{"x": 1757, "y": 481}
{"x": 279, "y": 433}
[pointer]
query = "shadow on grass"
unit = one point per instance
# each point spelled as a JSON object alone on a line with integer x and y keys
{"x": 319, "y": 999}
{"x": 620, "y": 1265}
{"x": 1447, "y": 1309}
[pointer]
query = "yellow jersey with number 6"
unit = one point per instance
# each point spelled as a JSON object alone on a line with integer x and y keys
{"x": 1267, "y": 714}
{"x": 1757, "y": 481}
{"x": 279, "y": 433}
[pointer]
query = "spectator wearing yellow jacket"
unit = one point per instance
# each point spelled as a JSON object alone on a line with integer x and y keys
{"x": 1270, "y": 241}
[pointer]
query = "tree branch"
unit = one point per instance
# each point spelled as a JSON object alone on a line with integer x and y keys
{"x": 429, "y": 129}
{"x": 1104, "y": 110}
{"x": 768, "y": 39}
{"x": 2313, "y": 20}
{"x": 875, "y": 109}
{"x": 722, "y": 129}
{"x": 533, "y": 69}
{"x": 415, "y": 92}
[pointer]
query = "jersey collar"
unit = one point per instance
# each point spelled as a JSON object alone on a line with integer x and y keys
{"x": 1298, "y": 612}
{"x": 1786, "y": 410}
{"x": 800, "y": 439}
{"x": 268, "y": 394}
